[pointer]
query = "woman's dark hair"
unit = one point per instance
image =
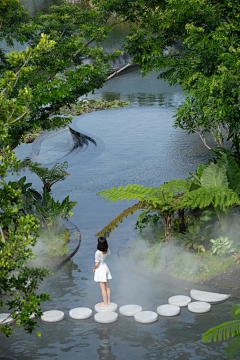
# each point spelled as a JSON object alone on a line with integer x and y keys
{"x": 102, "y": 244}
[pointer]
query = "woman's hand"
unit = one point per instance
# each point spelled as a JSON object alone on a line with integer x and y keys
{"x": 94, "y": 270}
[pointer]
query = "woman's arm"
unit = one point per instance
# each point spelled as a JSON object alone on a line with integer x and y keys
{"x": 95, "y": 266}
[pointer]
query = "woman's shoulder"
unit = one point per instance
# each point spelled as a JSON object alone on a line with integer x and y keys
{"x": 98, "y": 252}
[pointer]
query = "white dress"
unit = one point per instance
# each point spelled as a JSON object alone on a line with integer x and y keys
{"x": 102, "y": 272}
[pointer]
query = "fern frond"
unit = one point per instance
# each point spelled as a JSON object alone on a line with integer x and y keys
{"x": 223, "y": 331}
{"x": 217, "y": 196}
{"x": 114, "y": 223}
{"x": 232, "y": 351}
{"x": 129, "y": 192}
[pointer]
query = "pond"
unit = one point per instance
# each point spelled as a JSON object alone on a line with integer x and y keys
{"x": 135, "y": 145}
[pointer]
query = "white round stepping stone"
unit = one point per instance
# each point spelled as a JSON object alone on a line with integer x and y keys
{"x": 179, "y": 300}
{"x": 3, "y": 318}
{"x": 146, "y": 317}
{"x": 80, "y": 313}
{"x": 111, "y": 307}
{"x": 199, "y": 307}
{"x": 168, "y": 310}
{"x": 106, "y": 317}
{"x": 52, "y": 316}
{"x": 208, "y": 296}
{"x": 130, "y": 310}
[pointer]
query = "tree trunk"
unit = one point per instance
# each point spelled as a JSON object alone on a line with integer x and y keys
{"x": 182, "y": 227}
{"x": 167, "y": 225}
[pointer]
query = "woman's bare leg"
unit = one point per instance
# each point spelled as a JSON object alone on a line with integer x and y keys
{"x": 108, "y": 292}
{"x": 104, "y": 294}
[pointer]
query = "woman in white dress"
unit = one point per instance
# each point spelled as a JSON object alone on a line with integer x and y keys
{"x": 101, "y": 271}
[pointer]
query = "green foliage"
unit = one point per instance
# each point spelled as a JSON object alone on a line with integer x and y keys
{"x": 193, "y": 238}
{"x": 226, "y": 330}
{"x": 194, "y": 44}
{"x": 51, "y": 72}
{"x": 49, "y": 177}
{"x": 146, "y": 220}
{"x": 55, "y": 245}
{"x": 213, "y": 175}
{"x": 222, "y": 246}
{"x": 51, "y": 213}
{"x": 86, "y": 106}
{"x": 18, "y": 283}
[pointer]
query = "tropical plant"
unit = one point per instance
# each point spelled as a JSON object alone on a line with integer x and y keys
{"x": 193, "y": 238}
{"x": 222, "y": 246}
{"x": 146, "y": 219}
{"x": 18, "y": 283}
{"x": 28, "y": 194}
{"x": 51, "y": 213}
{"x": 226, "y": 330}
{"x": 49, "y": 177}
{"x": 213, "y": 189}
{"x": 164, "y": 200}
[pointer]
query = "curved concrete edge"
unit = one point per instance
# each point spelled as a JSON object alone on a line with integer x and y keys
{"x": 74, "y": 243}
{"x": 83, "y": 137}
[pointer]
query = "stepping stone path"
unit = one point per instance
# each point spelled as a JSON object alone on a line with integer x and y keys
{"x": 146, "y": 317}
{"x": 179, "y": 300}
{"x": 107, "y": 314}
{"x": 208, "y": 296}
{"x": 199, "y": 307}
{"x": 80, "y": 313}
{"x": 168, "y": 310}
{"x": 111, "y": 307}
{"x": 130, "y": 310}
{"x": 52, "y": 316}
{"x": 4, "y": 316}
{"x": 106, "y": 317}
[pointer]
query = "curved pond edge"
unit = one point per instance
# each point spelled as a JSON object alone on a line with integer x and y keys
{"x": 73, "y": 245}
{"x": 82, "y": 137}
{"x": 186, "y": 285}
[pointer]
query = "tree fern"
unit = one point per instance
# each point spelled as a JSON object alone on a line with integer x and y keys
{"x": 48, "y": 176}
{"x": 223, "y": 331}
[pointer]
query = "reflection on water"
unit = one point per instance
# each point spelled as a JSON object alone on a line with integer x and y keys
{"x": 104, "y": 351}
{"x": 140, "y": 91}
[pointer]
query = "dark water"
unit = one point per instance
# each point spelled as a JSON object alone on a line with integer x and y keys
{"x": 135, "y": 145}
